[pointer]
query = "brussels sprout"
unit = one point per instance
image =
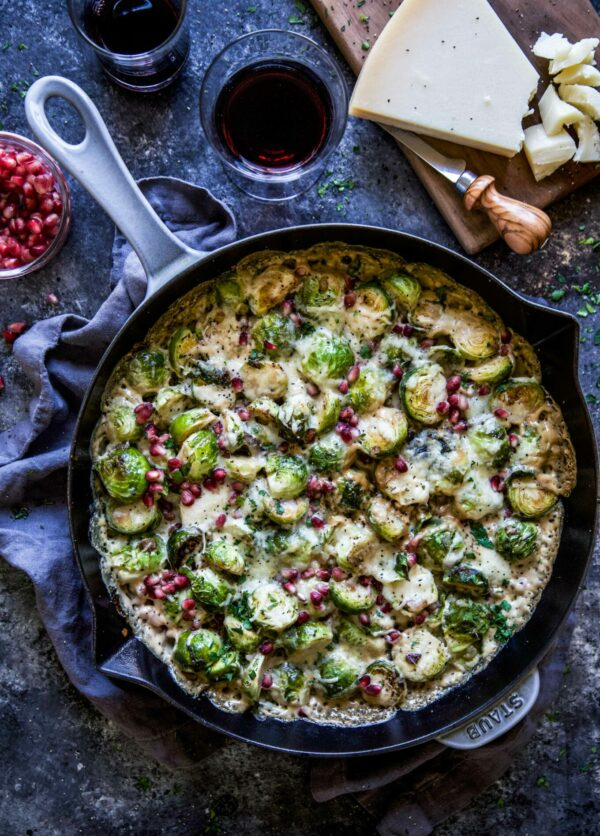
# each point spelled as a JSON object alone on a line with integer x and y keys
{"x": 528, "y": 499}
{"x": 353, "y": 635}
{"x": 209, "y": 587}
{"x": 437, "y": 541}
{"x": 327, "y": 412}
{"x": 252, "y": 676}
{"x": 305, "y": 639}
{"x": 190, "y": 422}
{"x": 351, "y": 596}
{"x": 474, "y": 336}
{"x": 287, "y": 476}
{"x": 386, "y": 686}
{"x": 289, "y": 684}
{"x": 464, "y": 623}
{"x": 385, "y": 519}
{"x": 198, "y": 649}
{"x": 419, "y": 655}
{"x": 265, "y": 410}
{"x": 337, "y": 677}
{"x": 370, "y": 390}
{"x": 168, "y": 403}
{"x": 182, "y": 347}
{"x": 290, "y": 546}
{"x": 233, "y": 430}
{"x": 295, "y": 415}
{"x": 273, "y": 608}
{"x": 133, "y": 517}
{"x": 285, "y": 511}
{"x": 123, "y": 473}
{"x": 223, "y": 555}
{"x": 238, "y": 625}
{"x": 147, "y": 371}
{"x": 383, "y": 432}
{"x": 269, "y": 288}
{"x": 140, "y": 557}
{"x": 422, "y": 389}
{"x": 372, "y": 312}
{"x": 325, "y": 357}
{"x": 320, "y": 297}
{"x": 403, "y": 288}
{"x": 519, "y": 397}
{"x": 467, "y": 579}
{"x": 229, "y": 294}
{"x": 225, "y": 668}
{"x": 330, "y": 454}
{"x": 351, "y": 489}
{"x": 264, "y": 379}
{"x": 245, "y": 468}
{"x": 415, "y": 591}
{"x": 515, "y": 539}
{"x": 445, "y": 356}
{"x": 274, "y": 334}
{"x": 489, "y": 441}
{"x": 491, "y": 371}
{"x": 349, "y": 542}
{"x": 183, "y": 544}
{"x": 121, "y": 423}
{"x": 476, "y": 497}
{"x": 199, "y": 453}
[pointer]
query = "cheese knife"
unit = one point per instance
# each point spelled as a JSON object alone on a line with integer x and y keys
{"x": 525, "y": 228}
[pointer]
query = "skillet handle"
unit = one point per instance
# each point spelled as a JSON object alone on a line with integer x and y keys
{"x": 98, "y": 166}
{"x": 498, "y": 719}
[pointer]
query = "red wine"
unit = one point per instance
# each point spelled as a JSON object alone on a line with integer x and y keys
{"x": 130, "y": 27}
{"x": 274, "y": 115}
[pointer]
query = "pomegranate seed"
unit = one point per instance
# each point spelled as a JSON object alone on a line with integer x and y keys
{"x": 373, "y": 689}
{"x": 453, "y": 383}
{"x": 301, "y": 712}
{"x": 343, "y": 387}
{"x": 463, "y": 403}
{"x": 316, "y": 598}
{"x": 181, "y": 581}
{"x": 426, "y": 343}
{"x": 284, "y": 447}
{"x": 269, "y": 346}
{"x": 157, "y": 450}
{"x": 217, "y": 428}
{"x": 238, "y": 487}
{"x": 157, "y": 592}
{"x": 307, "y": 573}
{"x": 347, "y": 435}
{"x": 327, "y": 486}
{"x": 312, "y": 389}
{"x": 324, "y": 575}
{"x": 296, "y": 319}
{"x": 266, "y": 648}
{"x": 398, "y": 328}
{"x": 52, "y": 298}
{"x": 210, "y": 484}
{"x": 398, "y": 372}
{"x": 243, "y": 338}
{"x": 187, "y": 498}
{"x": 350, "y": 299}
{"x": 169, "y": 588}
{"x": 232, "y": 498}
{"x": 155, "y": 475}
{"x": 237, "y": 384}
{"x": 290, "y": 587}
{"x": 155, "y": 487}
{"x": 316, "y": 522}
{"x": 386, "y": 607}
{"x": 244, "y": 414}
{"x": 500, "y": 412}
{"x": 313, "y": 485}
{"x": 401, "y": 465}
{"x": 460, "y": 427}
{"x": 148, "y": 500}
{"x": 221, "y": 520}
{"x": 484, "y": 390}
{"x": 364, "y": 619}
{"x": 505, "y": 336}
{"x": 185, "y": 486}
{"x": 143, "y": 411}
{"x": 392, "y": 636}
{"x": 420, "y": 618}
{"x": 287, "y": 307}
{"x": 442, "y": 407}
{"x": 353, "y": 374}
{"x": 497, "y": 483}
{"x": 453, "y": 400}
{"x": 364, "y": 681}
{"x": 504, "y": 349}
{"x": 174, "y": 464}
{"x": 407, "y": 330}
{"x": 323, "y": 588}
{"x": 290, "y": 574}
{"x": 411, "y": 559}
{"x": 151, "y": 431}
{"x": 347, "y": 413}
{"x": 513, "y": 439}
{"x": 303, "y": 617}
{"x": 267, "y": 681}
{"x": 220, "y": 474}
{"x": 188, "y": 603}
{"x": 454, "y": 415}
{"x": 338, "y": 574}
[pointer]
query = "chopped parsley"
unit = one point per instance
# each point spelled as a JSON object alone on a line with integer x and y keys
{"x": 480, "y": 534}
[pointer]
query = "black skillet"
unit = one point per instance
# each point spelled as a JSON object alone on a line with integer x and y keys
{"x": 488, "y": 703}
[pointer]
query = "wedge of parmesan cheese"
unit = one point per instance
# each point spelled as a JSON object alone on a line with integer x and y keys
{"x": 448, "y": 70}
{"x": 588, "y": 149}
{"x": 555, "y": 113}
{"x": 583, "y": 97}
{"x": 579, "y": 74}
{"x": 580, "y": 53}
{"x": 551, "y": 46}
{"x": 547, "y": 153}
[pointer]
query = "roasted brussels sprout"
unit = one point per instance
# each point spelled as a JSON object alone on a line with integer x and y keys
{"x": 121, "y": 423}
{"x": 169, "y": 402}
{"x": 325, "y": 356}
{"x": 383, "y": 433}
{"x": 199, "y": 454}
{"x": 147, "y": 371}
{"x": 182, "y": 347}
{"x": 209, "y": 587}
{"x": 515, "y": 539}
{"x": 386, "y": 519}
{"x": 287, "y": 476}
{"x": 273, "y": 608}
{"x": 419, "y": 655}
{"x": 337, "y": 677}
{"x": 291, "y": 547}
{"x": 189, "y": 422}
{"x": 352, "y": 489}
{"x": 423, "y": 388}
{"x": 197, "y": 650}
{"x": 372, "y": 312}
{"x": 245, "y": 468}
{"x": 465, "y": 578}
{"x": 285, "y": 511}
{"x": 403, "y": 488}
{"x": 351, "y": 596}
{"x": 269, "y": 287}
{"x": 252, "y": 676}
{"x": 141, "y": 557}
{"x": 132, "y": 517}
{"x": 289, "y": 685}
{"x": 305, "y": 639}
{"x": 183, "y": 544}
{"x": 330, "y": 454}
{"x": 123, "y": 473}
{"x": 348, "y": 543}
{"x": 274, "y": 334}
{"x": 229, "y": 294}
{"x": 385, "y": 685}
{"x": 476, "y": 498}
{"x": 474, "y": 336}
{"x": 225, "y": 668}
{"x": 354, "y": 636}
{"x": 224, "y": 555}
{"x": 489, "y": 441}
{"x": 491, "y": 371}
{"x": 528, "y": 499}
{"x": 370, "y": 390}
{"x": 464, "y": 623}
{"x": 519, "y": 397}
{"x": 403, "y": 288}
{"x": 326, "y": 413}
{"x": 294, "y": 416}
{"x": 320, "y": 297}
{"x": 415, "y": 590}
{"x": 264, "y": 379}
{"x": 238, "y": 625}
{"x": 437, "y": 541}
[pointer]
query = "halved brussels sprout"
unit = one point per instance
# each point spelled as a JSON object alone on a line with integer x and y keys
{"x": 285, "y": 511}
{"x": 423, "y": 388}
{"x": 383, "y": 432}
{"x": 245, "y": 468}
{"x": 330, "y": 454}
{"x": 403, "y": 288}
{"x": 224, "y": 555}
{"x": 491, "y": 371}
{"x": 182, "y": 347}
{"x": 305, "y": 639}
{"x": 274, "y": 334}
{"x": 189, "y": 422}
{"x": 183, "y": 544}
{"x": 294, "y": 416}
{"x": 265, "y": 410}
{"x": 354, "y": 636}
{"x": 209, "y": 587}
{"x": 351, "y": 596}
{"x": 325, "y": 357}
{"x": 168, "y": 403}
{"x": 229, "y": 294}
{"x": 370, "y": 390}
{"x": 238, "y": 625}
{"x": 515, "y": 539}
{"x": 372, "y": 312}
{"x": 403, "y": 488}
{"x": 474, "y": 336}
{"x": 327, "y": 412}
{"x": 384, "y": 676}
{"x": 351, "y": 489}
{"x": 489, "y": 441}
{"x": 140, "y": 557}
{"x": 437, "y": 541}
{"x": 270, "y": 287}
{"x": 396, "y": 349}
{"x": 196, "y": 650}
{"x": 450, "y": 359}
{"x": 132, "y": 517}
{"x": 233, "y": 430}
{"x": 252, "y": 676}
{"x": 264, "y": 379}
{"x": 273, "y": 608}
{"x": 415, "y": 592}
{"x": 464, "y": 623}
{"x": 320, "y": 297}
{"x": 199, "y": 453}
{"x": 519, "y": 397}
{"x": 419, "y": 655}
{"x": 467, "y": 579}
{"x": 287, "y": 476}
{"x": 528, "y": 499}
{"x": 337, "y": 677}
{"x": 349, "y": 542}
{"x": 289, "y": 684}
{"x": 476, "y": 498}
{"x": 123, "y": 473}
{"x": 147, "y": 371}
{"x": 225, "y": 668}
{"x": 385, "y": 519}
{"x": 121, "y": 423}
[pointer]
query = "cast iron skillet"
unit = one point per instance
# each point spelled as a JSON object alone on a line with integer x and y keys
{"x": 173, "y": 270}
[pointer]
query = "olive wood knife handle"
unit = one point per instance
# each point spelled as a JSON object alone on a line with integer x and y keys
{"x": 525, "y": 228}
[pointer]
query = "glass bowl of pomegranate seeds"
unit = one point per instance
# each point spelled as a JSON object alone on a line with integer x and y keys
{"x": 34, "y": 207}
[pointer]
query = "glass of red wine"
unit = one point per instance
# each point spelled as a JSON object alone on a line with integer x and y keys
{"x": 141, "y": 44}
{"x": 273, "y": 106}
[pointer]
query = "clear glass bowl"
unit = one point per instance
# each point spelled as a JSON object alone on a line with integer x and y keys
{"x": 21, "y": 143}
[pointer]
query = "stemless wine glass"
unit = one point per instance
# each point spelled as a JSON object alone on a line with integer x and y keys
{"x": 243, "y": 99}
{"x": 152, "y": 67}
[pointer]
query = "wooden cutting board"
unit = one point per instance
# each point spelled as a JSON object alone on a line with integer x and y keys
{"x": 525, "y": 19}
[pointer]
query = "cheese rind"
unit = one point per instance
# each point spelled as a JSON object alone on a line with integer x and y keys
{"x": 555, "y": 113}
{"x": 547, "y": 153}
{"x": 588, "y": 149}
{"x": 448, "y": 70}
{"x": 585, "y": 98}
{"x": 579, "y": 74}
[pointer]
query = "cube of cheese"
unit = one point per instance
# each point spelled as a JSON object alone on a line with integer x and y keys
{"x": 555, "y": 113}
{"x": 585, "y": 98}
{"x": 579, "y": 74}
{"x": 588, "y": 150}
{"x": 580, "y": 53}
{"x": 547, "y": 153}
{"x": 449, "y": 70}
{"x": 551, "y": 46}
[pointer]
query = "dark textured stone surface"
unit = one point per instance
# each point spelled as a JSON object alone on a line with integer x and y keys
{"x": 64, "y": 769}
